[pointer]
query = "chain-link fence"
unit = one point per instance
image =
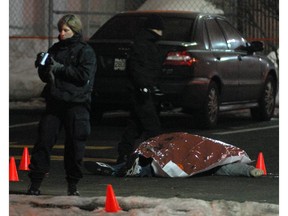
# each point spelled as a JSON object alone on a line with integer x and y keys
{"x": 33, "y": 23}
{"x": 37, "y": 19}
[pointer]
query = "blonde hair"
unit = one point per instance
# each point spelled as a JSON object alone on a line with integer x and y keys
{"x": 72, "y": 21}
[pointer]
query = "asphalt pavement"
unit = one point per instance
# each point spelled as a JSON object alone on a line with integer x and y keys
{"x": 222, "y": 195}
{"x": 263, "y": 191}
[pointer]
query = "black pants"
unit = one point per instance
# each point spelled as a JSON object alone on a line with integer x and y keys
{"x": 75, "y": 120}
{"x": 144, "y": 121}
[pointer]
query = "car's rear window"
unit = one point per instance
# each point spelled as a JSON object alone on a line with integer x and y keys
{"x": 126, "y": 27}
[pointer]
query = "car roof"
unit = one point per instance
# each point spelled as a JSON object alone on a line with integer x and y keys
{"x": 168, "y": 13}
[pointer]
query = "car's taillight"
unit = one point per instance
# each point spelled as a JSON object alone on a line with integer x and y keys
{"x": 179, "y": 58}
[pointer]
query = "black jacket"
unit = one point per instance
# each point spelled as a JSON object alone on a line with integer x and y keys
{"x": 74, "y": 82}
{"x": 145, "y": 62}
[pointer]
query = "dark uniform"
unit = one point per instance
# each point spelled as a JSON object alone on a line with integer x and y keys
{"x": 144, "y": 68}
{"x": 68, "y": 97}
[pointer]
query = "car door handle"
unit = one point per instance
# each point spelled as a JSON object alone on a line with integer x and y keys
{"x": 218, "y": 58}
{"x": 239, "y": 57}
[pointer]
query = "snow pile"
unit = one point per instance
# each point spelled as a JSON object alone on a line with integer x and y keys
{"x": 183, "y": 5}
{"x": 134, "y": 205}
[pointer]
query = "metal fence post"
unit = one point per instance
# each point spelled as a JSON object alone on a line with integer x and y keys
{"x": 50, "y": 23}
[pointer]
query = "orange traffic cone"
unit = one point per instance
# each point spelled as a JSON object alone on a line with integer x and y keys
{"x": 111, "y": 204}
{"x": 13, "y": 174}
{"x": 261, "y": 163}
{"x": 25, "y": 160}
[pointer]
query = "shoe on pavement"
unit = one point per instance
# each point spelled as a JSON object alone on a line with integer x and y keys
{"x": 72, "y": 190}
{"x": 122, "y": 159}
{"x": 130, "y": 168}
{"x": 256, "y": 172}
{"x": 32, "y": 192}
{"x": 73, "y": 193}
{"x": 99, "y": 168}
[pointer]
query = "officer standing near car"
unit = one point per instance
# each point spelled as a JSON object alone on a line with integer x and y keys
{"x": 144, "y": 68}
{"x": 68, "y": 72}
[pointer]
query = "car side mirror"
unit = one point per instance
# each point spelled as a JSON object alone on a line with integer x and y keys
{"x": 255, "y": 46}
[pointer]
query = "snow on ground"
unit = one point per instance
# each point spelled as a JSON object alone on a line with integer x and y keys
{"x": 134, "y": 205}
{"x": 184, "y": 5}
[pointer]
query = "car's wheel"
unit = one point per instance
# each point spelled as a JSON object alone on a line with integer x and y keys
{"x": 208, "y": 115}
{"x": 265, "y": 110}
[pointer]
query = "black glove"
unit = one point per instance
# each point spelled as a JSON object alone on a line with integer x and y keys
{"x": 157, "y": 92}
{"x": 56, "y": 67}
{"x": 144, "y": 90}
{"x": 45, "y": 74}
{"x": 144, "y": 94}
{"x": 39, "y": 57}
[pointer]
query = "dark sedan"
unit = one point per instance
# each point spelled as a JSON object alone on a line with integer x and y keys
{"x": 208, "y": 66}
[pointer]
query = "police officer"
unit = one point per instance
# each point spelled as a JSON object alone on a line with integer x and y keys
{"x": 68, "y": 73}
{"x": 144, "y": 68}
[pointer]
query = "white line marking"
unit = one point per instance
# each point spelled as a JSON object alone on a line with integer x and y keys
{"x": 61, "y": 158}
{"x": 88, "y": 147}
{"x": 24, "y": 124}
{"x": 247, "y": 130}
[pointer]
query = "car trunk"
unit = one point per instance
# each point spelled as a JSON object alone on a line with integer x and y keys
{"x": 174, "y": 76}
{"x": 111, "y": 82}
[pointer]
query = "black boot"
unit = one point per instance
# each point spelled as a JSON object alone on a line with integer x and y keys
{"x": 127, "y": 165}
{"x": 72, "y": 190}
{"x": 34, "y": 188}
{"x": 122, "y": 159}
{"x": 36, "y": 179}
{"x": 99, "y": 168}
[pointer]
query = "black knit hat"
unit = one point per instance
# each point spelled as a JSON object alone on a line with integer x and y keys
{"x": 154, "y": 22}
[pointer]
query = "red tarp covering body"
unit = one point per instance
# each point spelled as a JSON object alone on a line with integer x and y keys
{"x": 182, "y": 154}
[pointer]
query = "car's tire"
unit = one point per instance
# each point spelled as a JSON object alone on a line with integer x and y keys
{"x": 207, "y": 117}
{"x": 266, "y": 103}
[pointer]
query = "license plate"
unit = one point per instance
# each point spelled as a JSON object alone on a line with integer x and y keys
{"x": 119, "y": 64}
